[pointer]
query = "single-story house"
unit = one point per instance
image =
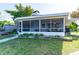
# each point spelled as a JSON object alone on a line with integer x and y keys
{"x": 9, "y": 27}
{"x": 51, "y": 24}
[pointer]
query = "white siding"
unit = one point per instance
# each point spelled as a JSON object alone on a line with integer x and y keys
{"x": 47, "y": 33}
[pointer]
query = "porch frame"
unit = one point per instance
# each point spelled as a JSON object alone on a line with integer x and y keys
{"x": 55, "y": 33}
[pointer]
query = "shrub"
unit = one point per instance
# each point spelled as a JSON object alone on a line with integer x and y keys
{"x": 41, "y": 34}
{"x": 73, "y": 26}
{"x": 13, "y": 32}
{"x": 26, "y": 35}
{"x": 36, "y": 35}
{"x": 31, "y": 34}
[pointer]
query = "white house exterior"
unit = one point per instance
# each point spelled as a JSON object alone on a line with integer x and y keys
{"x": 52, "y": 24}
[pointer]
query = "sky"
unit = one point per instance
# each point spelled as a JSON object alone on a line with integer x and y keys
{"x": 44, "y": 8}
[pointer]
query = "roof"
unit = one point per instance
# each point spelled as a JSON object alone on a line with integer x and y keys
{"x": 46, "y": 15}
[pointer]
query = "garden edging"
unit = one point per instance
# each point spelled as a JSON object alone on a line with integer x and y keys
{"x": 7, "y": 39}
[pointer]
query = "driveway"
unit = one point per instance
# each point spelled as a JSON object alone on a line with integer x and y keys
{"x": 75, "y": 53}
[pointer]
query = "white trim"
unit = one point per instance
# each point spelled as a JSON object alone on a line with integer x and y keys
{"x": 46, "y": 33}
{"x": 44, "y": 16}
{"x": 50, "y": 25}
{"x": 64, "y": 24}
{"x": 39, "y": 25}
{"x": 26, "y": 19}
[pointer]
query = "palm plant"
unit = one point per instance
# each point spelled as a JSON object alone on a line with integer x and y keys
{"x": 22, "y": 11}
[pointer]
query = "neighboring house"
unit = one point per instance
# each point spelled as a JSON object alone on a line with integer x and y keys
{"x": 4, "y": 16}
{"x": 51, "y": 24}
{"x": 9, "y": 28}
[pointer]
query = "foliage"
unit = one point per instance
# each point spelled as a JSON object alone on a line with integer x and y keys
{"x": 36, "y": 35}
{"x": 22, "y": 11}
{"x": 73, "y": 26}
{"x": 41, "y": 34}
{"x": 13, "y": 32}
{"x": 38, "y": 47}
{"x": 2, "y": 23}
{"x": 75, "y": 14}
{"x": 31, "y": 34}
{"x": 28, "y": 35}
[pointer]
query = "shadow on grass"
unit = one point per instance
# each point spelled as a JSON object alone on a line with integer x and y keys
{"x": 32, "y": 47}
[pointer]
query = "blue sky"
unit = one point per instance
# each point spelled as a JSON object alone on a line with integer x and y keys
{"x": 44, "y": 8}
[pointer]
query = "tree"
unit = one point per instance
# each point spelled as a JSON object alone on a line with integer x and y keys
{"x": 2, "y": 23}
{"x": 21, "y": 11}
{"x": 73, "y": 26}
{"x": 75, "y": 14}
{"x": 36, "y": 11}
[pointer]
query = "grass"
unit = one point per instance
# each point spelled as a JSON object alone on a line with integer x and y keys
{"x": 38, "y": 47}
{"x": 3, "y": 36}
{"x": 31, "y": 47}
{"x": 69, "y": 47}
{"x": 75, "y": 33}
{"x": 6, "y": 36}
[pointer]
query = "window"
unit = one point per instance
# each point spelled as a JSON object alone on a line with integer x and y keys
{"x": 46, "y": 25}
{"x": 57, "y": 25}
{"x": 34, "y": 25}
{"x": 26, "y": 25}
{"x": 52, "y": 25}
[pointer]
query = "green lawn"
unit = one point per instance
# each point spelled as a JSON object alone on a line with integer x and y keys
{"x": 6, "y": 36}
{"x": 38, "y": 47}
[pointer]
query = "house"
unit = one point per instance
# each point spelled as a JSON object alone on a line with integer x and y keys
{"x": 51, "y": 24}
{"x": 4, "y": 16}
{"x": 9, "y": 27}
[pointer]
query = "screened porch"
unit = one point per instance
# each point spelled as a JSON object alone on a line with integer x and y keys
{"x": 43, "y": 25}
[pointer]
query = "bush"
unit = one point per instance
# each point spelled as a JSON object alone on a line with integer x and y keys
{"x": 41, "y": 34}
{"x": 31, "y": 35}
{"x": 36, "y": 35}
{"x": 26, "y": 35}
{"x": 73, "y": 26}
{"x": 57, "y": 36}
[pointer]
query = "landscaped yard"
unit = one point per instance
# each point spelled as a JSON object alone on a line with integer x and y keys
{"x": 6, "y": 36}
{"x": 38, "y": 47}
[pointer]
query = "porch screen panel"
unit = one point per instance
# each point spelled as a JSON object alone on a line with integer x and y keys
{"x": 34, "y": 26}
{"x": 26, "y": 25}
{"x": 52, "y": 25}
{"x": 57, "y": 25}
{"x": 45, "y": 25}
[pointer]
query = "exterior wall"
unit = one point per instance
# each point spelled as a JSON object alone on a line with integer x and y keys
{"x": 9, "y": 28}
{"x": 46, "y": 33}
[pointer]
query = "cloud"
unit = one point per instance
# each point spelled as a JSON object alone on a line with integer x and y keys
{"x": 5, "y": 16}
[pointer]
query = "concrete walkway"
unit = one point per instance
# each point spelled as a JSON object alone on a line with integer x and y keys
{"x": 7, "y": 39}
{"x": 75, "y": 53}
